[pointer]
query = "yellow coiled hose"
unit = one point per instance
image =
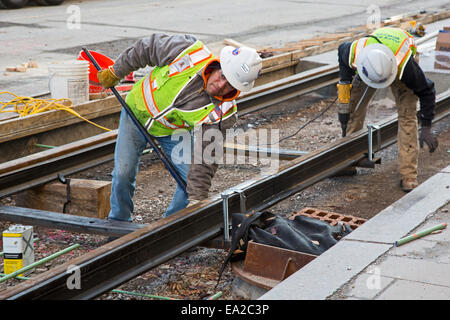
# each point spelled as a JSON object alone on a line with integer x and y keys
{"x": 25, "y": 106}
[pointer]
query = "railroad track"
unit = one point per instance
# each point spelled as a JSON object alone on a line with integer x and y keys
{"x": 27, "y": 171}
{"x": 137, "y": 252}
{"x": 42, "y": 167}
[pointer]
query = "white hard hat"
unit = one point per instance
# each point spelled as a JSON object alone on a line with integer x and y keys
{"x": 241, "y": 66}
{"x": 377, "y": 66}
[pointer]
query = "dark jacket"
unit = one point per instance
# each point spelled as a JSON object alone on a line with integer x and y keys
{"x": 413, "y": 77}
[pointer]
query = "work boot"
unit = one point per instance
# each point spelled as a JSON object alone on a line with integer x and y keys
{"x": 407, "y": 184}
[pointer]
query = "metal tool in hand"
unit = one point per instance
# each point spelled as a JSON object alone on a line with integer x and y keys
{"x": 344, "y": 111}
{"x": 368, "y": 94}
{"x": 147, "y": 135}
{"x": 65, "y": 181}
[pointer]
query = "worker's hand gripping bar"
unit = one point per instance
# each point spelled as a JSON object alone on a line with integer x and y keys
{"x": 147, "y": 135}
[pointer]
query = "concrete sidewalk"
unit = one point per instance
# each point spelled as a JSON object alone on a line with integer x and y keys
{"x": 367, "y": 265}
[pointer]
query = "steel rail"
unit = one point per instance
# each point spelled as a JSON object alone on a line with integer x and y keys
{"x": 293, "y": 86}
{"x": 117, "y": 262}
{"x": 43, "y": 167}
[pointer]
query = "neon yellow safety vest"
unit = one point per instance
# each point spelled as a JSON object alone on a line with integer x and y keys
{"x": 151, "y": 99}
{"x": 400, "y": 42}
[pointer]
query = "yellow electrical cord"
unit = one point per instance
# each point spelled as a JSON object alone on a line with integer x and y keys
{"x": 25, "y": 106}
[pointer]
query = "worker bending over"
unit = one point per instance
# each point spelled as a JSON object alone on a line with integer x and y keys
{"x": 189, "y": 87}
{"x": 386, "y": 58}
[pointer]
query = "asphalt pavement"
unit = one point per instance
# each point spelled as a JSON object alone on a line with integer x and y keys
{"x": 57, "y": 33}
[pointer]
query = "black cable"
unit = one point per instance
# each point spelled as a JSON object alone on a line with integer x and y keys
{"x": 372, "y": 36}
{"x": 307, "y": 123}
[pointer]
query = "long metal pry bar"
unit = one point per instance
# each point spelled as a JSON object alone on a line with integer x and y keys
{"x": 167, "y": 163}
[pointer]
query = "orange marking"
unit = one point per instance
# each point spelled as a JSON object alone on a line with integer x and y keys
{"x": 400, "y": 46}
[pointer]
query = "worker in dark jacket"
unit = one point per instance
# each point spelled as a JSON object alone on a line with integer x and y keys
{"x": 383, "y": 59}
{"x": 189, "y": 87}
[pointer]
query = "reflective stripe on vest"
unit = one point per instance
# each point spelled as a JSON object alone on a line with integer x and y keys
{"x": 218, "y": 112}
{"x": 189, "y": 60}
{"x": 403, "y": 52}
{"x": 360, "y": 44}
{"x": 180, "y": 64}
{"x": 156, "y": 114}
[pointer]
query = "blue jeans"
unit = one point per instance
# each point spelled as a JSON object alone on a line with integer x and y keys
{"x": 129, "y": 146}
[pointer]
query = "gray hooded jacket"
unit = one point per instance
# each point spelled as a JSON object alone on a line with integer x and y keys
{"x": 160, "y": 50}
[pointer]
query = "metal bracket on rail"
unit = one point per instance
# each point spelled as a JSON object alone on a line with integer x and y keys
{"x": 65, "y": 181}
{"x": 370, "y": 161}
{"x": 225, "y": 196}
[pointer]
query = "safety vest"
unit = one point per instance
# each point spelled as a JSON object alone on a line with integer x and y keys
{"x": 400, "y": 42}
{"x": 152, "y": 98}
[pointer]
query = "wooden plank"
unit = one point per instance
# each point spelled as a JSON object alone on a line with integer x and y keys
{"x": 276, "y": 60}
{"x": 89, "y": 198}
{"x": 40, "y": 157}
{"x": 234, "y": 43}
{"x": 67, "y": 222}
{"x": 41, "y": 122}
{"x": 284, "y": 65}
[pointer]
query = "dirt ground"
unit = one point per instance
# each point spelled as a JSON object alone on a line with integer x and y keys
{"x": 193, "y": 274}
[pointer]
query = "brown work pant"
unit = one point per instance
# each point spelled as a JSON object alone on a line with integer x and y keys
{"x": 407, "y": 136}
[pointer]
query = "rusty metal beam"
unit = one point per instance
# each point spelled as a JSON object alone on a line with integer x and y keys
{"x": 68, "y": 222}
{"x": 293, "y": 86}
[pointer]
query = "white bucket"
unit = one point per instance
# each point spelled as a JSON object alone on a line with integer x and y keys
{"x": 69, "y": 80}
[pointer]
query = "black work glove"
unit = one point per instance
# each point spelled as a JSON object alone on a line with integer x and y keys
{"x": 427, "y": 137}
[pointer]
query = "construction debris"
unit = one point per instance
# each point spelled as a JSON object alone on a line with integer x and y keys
{"x": 23, "y": 67}
{"x": 332, "y": 218}
{"x": 414, "y": 22}
{"x": 83, "y": 197}
{"x": 442, "y": 59}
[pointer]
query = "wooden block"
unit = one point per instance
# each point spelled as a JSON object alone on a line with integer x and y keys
{"x": 97, "y": 95}
{"x": 234, "y": 43}
{"x": 10, "y": 69}
{"x": 33, "y": 64}
{"x": 89, "y": 198}
{"x": 21, "y": 69}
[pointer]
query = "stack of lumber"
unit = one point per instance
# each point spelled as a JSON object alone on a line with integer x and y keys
{"x": 324, "y": 43}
